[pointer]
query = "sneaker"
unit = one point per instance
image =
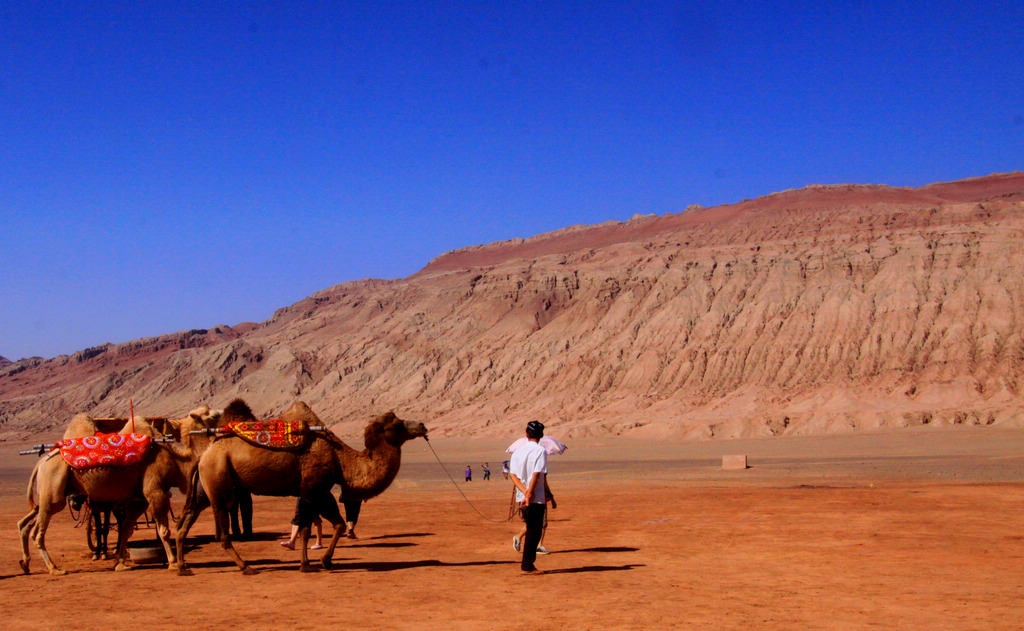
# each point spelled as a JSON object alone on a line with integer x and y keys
{"x": 542, "y": 550}
{"x": 316, "y": 546}
{"x": 288, "y": 544}
{"x": 517, "y": 544}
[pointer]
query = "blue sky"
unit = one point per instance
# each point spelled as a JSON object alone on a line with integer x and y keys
{"x": 166, "y": 166}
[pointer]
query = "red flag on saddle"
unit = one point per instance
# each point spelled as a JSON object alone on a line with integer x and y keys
{"x": 105, "y": 450}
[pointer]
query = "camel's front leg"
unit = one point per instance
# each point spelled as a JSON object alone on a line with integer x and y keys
{"x": 329, "y": 511}
{"x": 326, "y": 559}
{"x": 304, "y": 541}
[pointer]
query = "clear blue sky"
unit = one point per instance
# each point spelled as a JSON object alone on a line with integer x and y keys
{"x": 176, "y": 165}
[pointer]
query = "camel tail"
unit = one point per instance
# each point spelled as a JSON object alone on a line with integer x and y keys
{"x": 30, "y": 493}
{"x": 190, "y": 495}
{"x": 195, "y": 498}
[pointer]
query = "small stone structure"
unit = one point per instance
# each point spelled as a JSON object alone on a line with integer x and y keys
{"x": 734, "y": 462}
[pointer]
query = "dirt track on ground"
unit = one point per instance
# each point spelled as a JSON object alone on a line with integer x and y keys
{"x": 892, "y": 531}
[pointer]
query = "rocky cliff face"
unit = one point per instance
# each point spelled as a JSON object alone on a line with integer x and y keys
{"x": 825, "y": 309}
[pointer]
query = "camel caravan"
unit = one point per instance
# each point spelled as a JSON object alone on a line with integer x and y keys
{"x": 212, "y": 457}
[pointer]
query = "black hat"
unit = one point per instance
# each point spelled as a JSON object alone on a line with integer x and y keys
{"x": 535, "y": 429}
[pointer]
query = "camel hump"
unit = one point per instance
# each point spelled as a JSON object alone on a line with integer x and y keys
{"x": 141, "y": 425}
{"x": 81, "y": 425}
{"x": 299, "y": 411}
{"x": 237, "y": 410}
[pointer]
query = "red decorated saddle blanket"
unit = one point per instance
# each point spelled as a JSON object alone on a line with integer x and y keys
{"x": 272, "y": 434}
{"x": 104, "y": 450}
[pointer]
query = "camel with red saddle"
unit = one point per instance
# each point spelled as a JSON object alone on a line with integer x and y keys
{"x": 294, "y": 456}
{"x": 118, "y": 468}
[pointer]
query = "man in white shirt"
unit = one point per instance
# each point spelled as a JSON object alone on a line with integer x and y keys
{"x": 528, "y": 468}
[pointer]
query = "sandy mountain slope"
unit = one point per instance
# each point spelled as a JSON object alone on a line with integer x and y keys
{"x": 820, "y": 310}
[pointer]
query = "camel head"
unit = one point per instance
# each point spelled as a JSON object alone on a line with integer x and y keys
{"x": 200, "y": 418}
{"x": 392, "y": 430}
{"x": 203, "y": 416}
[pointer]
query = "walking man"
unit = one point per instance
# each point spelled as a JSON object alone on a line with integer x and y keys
{"x": 529, "y": 468}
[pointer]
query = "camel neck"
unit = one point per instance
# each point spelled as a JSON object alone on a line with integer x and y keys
{"x": 367, "y": 473}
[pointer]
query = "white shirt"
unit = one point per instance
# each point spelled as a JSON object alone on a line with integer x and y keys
{"x": 526, "y": 460}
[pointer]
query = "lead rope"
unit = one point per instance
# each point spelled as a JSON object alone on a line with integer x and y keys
{"x": 454, "y": 483}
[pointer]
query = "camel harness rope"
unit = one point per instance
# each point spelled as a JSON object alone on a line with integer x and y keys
{"x": 456, "y": 485}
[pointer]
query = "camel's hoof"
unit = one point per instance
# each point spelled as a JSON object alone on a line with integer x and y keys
{"x": 58, "y": 572}
{"x": 250, "y": 571}
{"x": 24, "y": 566}
{"x": 184, "y": 571}
{"x": 309, "y": 569}
{"x": 122, "y": 567}
{"x": 327, "y": 563}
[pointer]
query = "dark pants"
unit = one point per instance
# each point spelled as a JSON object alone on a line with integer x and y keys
{"x": 317, "y": 505}
{"x": 533, "y": 515}
{"x": 352, "y": 508}
{"x": 243, "y": 506}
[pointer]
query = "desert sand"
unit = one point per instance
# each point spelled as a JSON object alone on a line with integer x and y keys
{"x": 909, "y": 529}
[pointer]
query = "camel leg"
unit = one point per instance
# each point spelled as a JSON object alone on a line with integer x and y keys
{"x": 132, "y": 512}
{"x": 161, "y": 505}
{"x": 100, "y": 529}
{"x": 188, "y": 519}
{"x": 42, "y": 523}
{"x": 107, "y": 511}
{"x": 49, "y": 484}
{"x": 304, "y": 540}
{"x": 325, "y": 560}
{"x": 25, "y": 527}
{"x": 220, "y": 513}
{"x": 328, "y": 509}
{"x": 195, "y": 501}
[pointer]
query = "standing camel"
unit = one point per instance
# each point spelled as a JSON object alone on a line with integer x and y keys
{"x": 308, "y": 472}
{"x": 165, "y": 466}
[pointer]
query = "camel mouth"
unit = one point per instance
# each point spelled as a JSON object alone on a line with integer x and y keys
{"x": 416, "y": 429}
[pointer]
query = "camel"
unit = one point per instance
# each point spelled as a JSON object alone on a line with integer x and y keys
{"x": 309, "y": 473}
{"x": 165, "y": 466}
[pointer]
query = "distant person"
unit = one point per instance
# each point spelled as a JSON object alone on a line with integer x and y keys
{"x": 504, "y": 469}
{"x": 487, "y": 470}
{"x": 469, "y": 474}
{"x": 528, "y": 468}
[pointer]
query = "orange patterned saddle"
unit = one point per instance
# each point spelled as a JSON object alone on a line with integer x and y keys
{"x": 105, "y": 450}
{"x": 272, "y": 434}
